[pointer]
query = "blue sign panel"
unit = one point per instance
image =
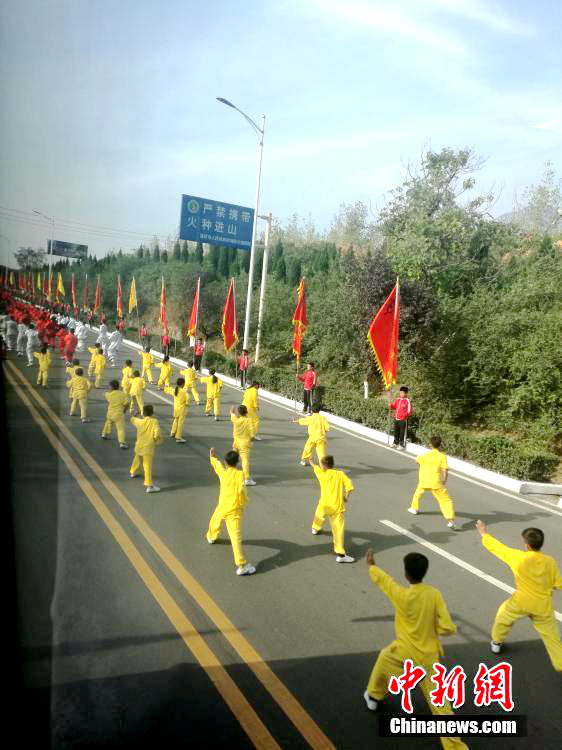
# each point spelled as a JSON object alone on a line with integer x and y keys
{"x": 67, "y": 249}
{"x": 204, "y": 220}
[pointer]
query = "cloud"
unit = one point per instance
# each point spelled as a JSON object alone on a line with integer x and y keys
{"x": 554, "y": 125}
{"x": 490, "y": 15}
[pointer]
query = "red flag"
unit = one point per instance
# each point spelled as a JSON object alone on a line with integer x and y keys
{"x": 163, "y": 311}
{"x": 230, "y": 319}
{"x": 383, "y": 336}
{"x": 119, "y": 298}
{"x": 85, "y": 295}
{"x": 300, "y": 321}
{"x": 73, "y": 292}
{"x": 97, "y": 297}
{"x": 193, "y": 318}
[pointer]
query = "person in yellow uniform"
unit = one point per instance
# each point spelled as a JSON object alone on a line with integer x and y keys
{"x": 250, "y": 401}
{"x": 242, "y": 436}
{"x": 191, "y": 378}
{"x": 44, "y": 360}
{"x": 71, "y": 369}
{"x": 147, "y": 362}
{"x": 126, "y": 375}
{"x": 318, "y": 426}
{"x": 536, "y": 576}
{"x": 117, "y": 402}
{"x": 136, "y": 388}
{"x": 180, "y": 409}
{"x": 80, "y": 386}
{"x": 433, "y": 475}
{"x": 148, "y": 437}
{"x": 165, "y": 368}
{"x": 421, "y": 616}
{"x": 335, "y": 489}
{"x": 230, "y": 508}
{"x": 99, "y": 367}
{"x": 214, "y": 387}
{"x": 92, "y": 365}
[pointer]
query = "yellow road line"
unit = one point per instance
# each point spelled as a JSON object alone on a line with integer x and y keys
{"x": 277, "y": 689}
{"x": 227, "y": 688}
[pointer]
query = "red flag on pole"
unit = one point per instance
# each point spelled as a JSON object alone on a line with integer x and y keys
{"x": 85, "y": 295}
{"x": 300, "y": 321}
{"x": 119, "y": 298}
{"x": 97, "y": 297}
{"x": 73, "y": 292}
{"x": 163, "y": 311}
{"x": 383, "y": 336}
{"x": 230, "y": 319}
{"x": 193, "y": 318}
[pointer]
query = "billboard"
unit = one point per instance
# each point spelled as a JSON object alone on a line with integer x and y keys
{"x": 67, "y": 249}
{"x": 217, "y": 223}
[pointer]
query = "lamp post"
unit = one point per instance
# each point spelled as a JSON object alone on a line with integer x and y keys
{"x": 50, "y": 254}
{"x": 260, "y": 133}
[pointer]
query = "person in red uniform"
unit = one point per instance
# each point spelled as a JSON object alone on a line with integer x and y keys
{"x": 243, "y": 365}
{"x": 165, "y": 344}
{"x": 61, "y": 335}
{"x": 402, "y": 408}
{"x": 309, "y": 381}
{"x": 121, "y": 325}
{"x": 51, "y": 331}
{"x": 198, "y": 353}
{"x": 70, "y": 344}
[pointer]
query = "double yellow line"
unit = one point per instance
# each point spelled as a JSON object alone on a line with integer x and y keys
{"x": 238, "y": 704}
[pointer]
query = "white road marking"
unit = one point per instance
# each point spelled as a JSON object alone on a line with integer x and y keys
{"x": 456, "y": 560}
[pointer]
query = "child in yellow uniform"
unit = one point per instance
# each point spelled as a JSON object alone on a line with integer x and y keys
{"x": 136, "y": 388}
{"x": 421, "y": 616}
{"x": 230, "y": 508}
{"x": 148, "y": 437}
{"x": 180, "y": 409}
{"x": 318, "y": 426}
{"x": 117, "y": 406}
{"x": 190, "y": 380}
{"x": 147, "y": 362}
{"x": 335, "y": 489}
{"x": 242, "y": 436}
{"x": 43, "y": 358}
{"x": 71, "y": 369}
{"x": 99, "y": 367}
{"x": 433, "y": 475}
{"x": 250, "y": 401}
{"x": 214, "y": 387}
{"x": 536, "y": 576}
{"x": 80, "y": 386}
{"x": 126, "y": 375}
{"x": 92, "y": 365}
{"x": 165, "y": 368}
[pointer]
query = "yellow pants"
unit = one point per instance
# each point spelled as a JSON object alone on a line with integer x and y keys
{"x": 148, "y": 372}
{"x": 99, "y": 376}
{"x": 119, "y": 426}
{"x": 43, "y": 378}
{"x": 255, "y": 422}
{"x": 189, "y": 392}
{"x": 233, "y": 522}
{"x": 138, "y": 398}
{"x": 215, "y": 402}
{"x": 83, "y": 407}
{"x": 442, "y": 497}
{"x": 243, "y": 450}
{"x": 389, "y": 664}
{"x": 147, "y": 466}
{"x": 545, "y": 625}
{"x": 320, "y": 446}
{"x": 163, "y": 382}
{"x": 337, "y": 523}
{"x": 177, "y": 424}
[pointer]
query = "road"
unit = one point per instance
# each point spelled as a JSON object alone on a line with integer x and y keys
{"x": 134, "y": 630}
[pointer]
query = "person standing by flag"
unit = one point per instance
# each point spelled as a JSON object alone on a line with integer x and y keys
{"x": 402, "y": 407}
{"x": 198, "y": 354}
{"x": 309, "y": 381}
{"x": 243, "y": 366}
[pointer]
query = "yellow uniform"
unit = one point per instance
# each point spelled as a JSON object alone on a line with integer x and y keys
{"x": 148, "y": 437}
{"x": 421, "y": 616}
{"x": 91, "y": 367}
{"x": 536, "y": 575}
{"x": 117, "y": 403}
{"x": 147, "y": 362}
{"x": 69, "y": 371}
{"x": 126, "y": 377}
{"x": 79, "y": 386}
{"x": 334, "y": 485}
{"x": 165, "y": 372}
{"x": 44, "y": 362}
{"x": 190, "y": 380}
{"x": 213, "y": 394}
{"x": 180, "y": 411}
{"x": 432, "y": 464}
{"x": 99, "y": 367}
{"x": 318, "y": 426}
{"x": 136, "y": 387}
{"x": 230, "y": 508}
{"x": 250, "y": 401}
{"x": 242, "y": 436}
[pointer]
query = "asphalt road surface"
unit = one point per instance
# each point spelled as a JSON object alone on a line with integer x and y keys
{"x": 133, "y": 630}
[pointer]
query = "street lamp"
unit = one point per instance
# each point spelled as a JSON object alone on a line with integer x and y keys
{"x": 260, "y": 133}
{"x": 50, "y": 254}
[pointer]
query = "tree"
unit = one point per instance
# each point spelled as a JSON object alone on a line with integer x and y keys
{"x": 213, "y": 257}
{"x": 177, "y": 250}
{"x": 185, "y": 252}
{"x": 223, "y": 262}
{"x": 540, "y": 208}
{"x": 280, "y": 270}
{"x": 245, "y": 261}
{"x": 147, "y": 253}
{"x": 199, "y": 253}
{"x": 156, "y": 252}
{"x": 164, "y": 256}
{"x": 140, "y": 251}
{"x": 27, "y": 257}
{"x": 234, "y": 267}
{"x": 351, "y": 225}
{"x": 295, "y": 272}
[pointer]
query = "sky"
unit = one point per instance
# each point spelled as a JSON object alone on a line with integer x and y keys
{"x": 109, "y": 109}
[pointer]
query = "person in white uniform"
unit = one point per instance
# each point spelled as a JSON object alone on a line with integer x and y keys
{"x": 32, "y": 337}
{"x": 20, "y": 343}
{"x": 103, "y": 339}
{"x": 115, "y": 341}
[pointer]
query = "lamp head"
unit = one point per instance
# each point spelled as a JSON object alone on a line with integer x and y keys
{"x": 225, "y": 101}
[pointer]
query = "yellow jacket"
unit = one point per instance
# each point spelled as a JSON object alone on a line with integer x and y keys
{"x": 147, "y": 359}
{"x": 165, "y": 369}
{"x": 127, "y": 374}
{"x": 431, "y": 466}
{"x": 190, "y": 377}
{"x": 180, "y": 401}
{"x": 213, "y": 389}
{"x": 79, "y": 386}
{"x": 250, "y": 400}
{"x": 318, "y": 426}
{"x": 333, "y": 484}
{"x": 242, "y": 430}
{"x": 421, "y": 616}
{"x": 99, "y": 362}
{"x": 117, "y": 402}
{"x": 536, "y": 575}
{"x": 137, "y": 386}
{"x": 148, "y": 435}
{"x": 43, "y": 360}
{"x": 232, "y": 497}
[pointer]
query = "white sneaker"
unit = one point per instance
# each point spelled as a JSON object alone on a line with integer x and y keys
{"x": 123, "y": 445}
{"x": 401, "y": 447}
{"x": 249, "y": 482}
{"x": 372, "y": 704}
{"x": 451, "y": 525}
{"x": 345, "y": 559}
{"x": 315, "y": 532}
{"x": 245, "y": 570}
{"x": 496, "y": 647}
{"x": 210, "y": 541}
{"x": 216, "y": 419}
{"x": 413, "y": 511}
{"x": 103, "y": 437}
{"x": 152, "y": 488}
{"x": 257, "y": 437}
{"x": 303, "y": 463}
{"x": 180, "y": 440}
